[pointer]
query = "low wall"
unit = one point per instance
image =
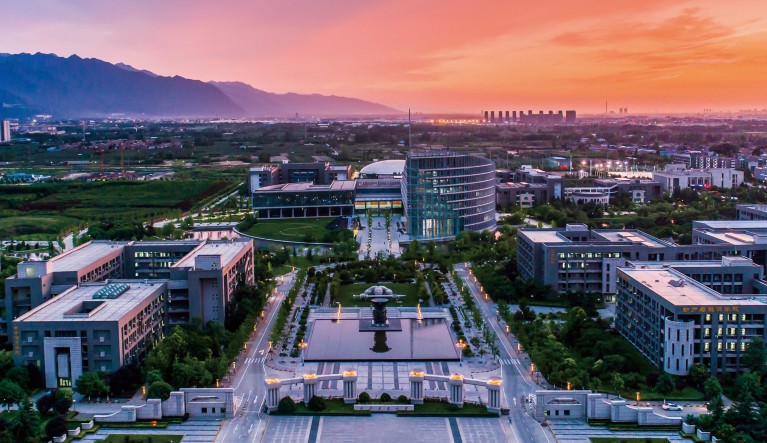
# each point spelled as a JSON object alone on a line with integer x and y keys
{"x": 126, "y": 414}
{"x": 384, "y": 408}
{"x": 703, "y": 435}
{"x": 152, "y": 410}
{"x": 174, "y": 406}
{"x": 60, "y": 439}
{"x": 620, "y": 412}
{"x": 74, "y": 431}
{"x": 87, "y": 425}
{"x": 647, "y": 417}
{"x": 688, "y": 428}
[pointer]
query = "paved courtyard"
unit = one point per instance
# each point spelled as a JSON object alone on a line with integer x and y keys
{"x": 383, "y": 428}
{"x": 194, "y": 431}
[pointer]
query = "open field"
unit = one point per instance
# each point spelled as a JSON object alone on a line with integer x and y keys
{"x": 44, "y": 211}
{"x": 299, "y": 229}
{"x": 346, "y": 293}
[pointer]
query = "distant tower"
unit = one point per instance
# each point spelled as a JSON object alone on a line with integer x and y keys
{"x": 492, "y": 116}
{"x": 487, "y": 116}
{"x": 5, "y": 131}
{"x": 500, "y": 116}
{"x": 570, "y": 117}
{"x": 514, "y": 115}
{"x": 409, "y": 132}
{"x": 507, "y": 115}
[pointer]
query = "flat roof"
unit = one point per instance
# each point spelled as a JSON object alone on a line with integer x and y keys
{"x": 623, "y": 236}
{"x": 689, "y": 293}
{"x": 629, "y": 236}
{"x": 228, "y": 250}
{"x": 544, "y": 236}
{"x": 730, "y": 224}
{"x": 108, "y": 310}
{"x": 336, "y": 185}
{"x": 82, "y": 256}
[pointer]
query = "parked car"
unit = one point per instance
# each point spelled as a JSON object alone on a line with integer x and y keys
{"x": 671, "y": 407}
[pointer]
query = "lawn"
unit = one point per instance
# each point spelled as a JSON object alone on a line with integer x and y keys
{"x": 627, "y": 440}
{"x": 299, "y": 230}
{"x": 443, "y": 408}
{"x": 139, "y": 438}
{"x": 46, "y": 210}
{"x": 334, "y": 406}
{"x": 410, "y": 290}
{"x": 646, "y": 393}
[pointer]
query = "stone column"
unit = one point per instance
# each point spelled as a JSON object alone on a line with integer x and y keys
{"x": 273, "y": 386}
{"x": 416, "y": 387}
{"x": 350, "y": 387}
{"x": 494, "y": 396}
{"x": 310, "y": 387}
{"x": 455, "y": 389}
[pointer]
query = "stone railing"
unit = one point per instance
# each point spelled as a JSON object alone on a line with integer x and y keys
{"x": 384, "y": 408}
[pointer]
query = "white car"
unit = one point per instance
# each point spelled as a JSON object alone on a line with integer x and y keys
{"x": 671, "y": 407}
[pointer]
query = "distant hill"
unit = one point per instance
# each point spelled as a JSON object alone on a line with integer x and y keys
{"x": 74, "y": 87}
{"x": 258, "y": 103}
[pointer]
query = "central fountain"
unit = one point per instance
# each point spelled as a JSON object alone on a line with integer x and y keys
{"x": 380, "y": 320}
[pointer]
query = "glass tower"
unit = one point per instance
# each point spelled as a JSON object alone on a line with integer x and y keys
{"x": 446, "y": 193}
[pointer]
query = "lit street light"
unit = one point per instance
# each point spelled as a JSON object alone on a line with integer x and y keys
{"x": 461, "y": 345}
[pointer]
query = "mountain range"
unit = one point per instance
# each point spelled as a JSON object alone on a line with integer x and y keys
{"x": 75, "y": 87}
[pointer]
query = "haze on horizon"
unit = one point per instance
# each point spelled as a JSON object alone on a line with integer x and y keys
{"x": 432, "y": 56}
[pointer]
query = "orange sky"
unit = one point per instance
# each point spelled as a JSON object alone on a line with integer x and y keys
{"x": 433, "y": 56}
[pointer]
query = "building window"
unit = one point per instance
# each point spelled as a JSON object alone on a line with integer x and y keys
{"x": 204, "y": 410}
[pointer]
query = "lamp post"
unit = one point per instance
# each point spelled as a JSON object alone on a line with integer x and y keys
{"x": 637, "y": 398}
{"x": 461, "y": 345}
{"x": 302, "y": 346}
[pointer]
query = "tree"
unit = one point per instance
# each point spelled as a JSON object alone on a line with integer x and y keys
{"x": 45, "y": 403}
{"x": 159, "y": 389}
{"x": 56, "y": 427}
{"x": 712, "y": 388}
{"x": 364, "y": 397}
{"x": 286, "y": 405}
{"x": 26, "y": 424}
{"x": 665, "y": 384}
{"x": 617, "y": 383}
{"x": 699, "y": 373}
{"x": 153, "y": 376}
{"x": 63, "y": 401}
{"x": 90, "y": 384}
{"x": 385, "y": 397}
{"x": 18, "y": 375}
{"x": 6, "y": 361}
{"x": 10, "y": 393}
{"x": 746, "y": 386}
{"x": 755, "y": 357}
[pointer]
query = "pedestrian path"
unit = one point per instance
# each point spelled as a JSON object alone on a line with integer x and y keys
{"x": 194, "y": 431}
{"x": 574, "y": 431}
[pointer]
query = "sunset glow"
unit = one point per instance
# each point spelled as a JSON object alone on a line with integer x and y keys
{"x": 433, "y": 56}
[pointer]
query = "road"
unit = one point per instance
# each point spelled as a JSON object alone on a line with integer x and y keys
{"x": 517, "y": 383}
{"x": 248, "y": 383}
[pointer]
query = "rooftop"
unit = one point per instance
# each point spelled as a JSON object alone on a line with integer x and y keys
{"x": 336, "y": 185}
{"x": 730, "y": 224}
{"x": 228, "y": 250}
{"x": 88, "y": 303}
{"x": 680, "y": 290}
{"x": 596, "y": 236}
{"x": 384, "y": 167}
{"x": 82, "y": 256}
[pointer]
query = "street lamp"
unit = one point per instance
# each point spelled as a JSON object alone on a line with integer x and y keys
{"x": 302, "y": 346}
{"x": 637, "y": 398}
{"x": 461, "y": 345}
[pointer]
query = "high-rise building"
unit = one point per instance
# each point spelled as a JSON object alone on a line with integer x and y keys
{"x": 5, "y": 131}
{"x": 570, "y": 117}
{"x": 445, "y": 193}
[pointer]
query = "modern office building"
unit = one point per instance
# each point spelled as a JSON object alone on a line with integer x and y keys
{"x": 676, "y": 321}
{"x": 192, "y": 267}
{"x": 527, "y": 187}
{"x": 91, "y": 327}
{"x": 751, "y": 212}
{"x": 677, "y": 177}
{"x": 301, "y": 200}
{"x": 261, "y": 176}
{"x": 378, "y": 196}
{"x": 445, "y": 193}
{"x": 318, "y": 173}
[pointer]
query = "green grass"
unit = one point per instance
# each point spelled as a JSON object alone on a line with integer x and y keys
{"x": 139, "y": 438}
{"x": 335, "y": 406}
{"x": 44, "y": 211}
{"x": 410, "y": 290}
{"x": 292, "y": 229}
{"x": 627, "y": 440}
{"x": 443, "y": 408}
{"x": 646, "y": 393}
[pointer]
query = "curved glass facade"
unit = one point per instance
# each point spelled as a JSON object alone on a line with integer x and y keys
{"x": 447, "y": 193}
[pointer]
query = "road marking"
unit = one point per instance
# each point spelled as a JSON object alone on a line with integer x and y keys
{"x": 250, "y": 428}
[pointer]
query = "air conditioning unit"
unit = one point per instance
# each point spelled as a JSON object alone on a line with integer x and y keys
{"x": 103, "y": 353}
{"x": 31, "y": 354}
{"x": 101, "y": 339}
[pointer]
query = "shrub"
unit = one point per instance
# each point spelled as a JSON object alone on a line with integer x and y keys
{"x": 452, "y": 407}
{"x": 63, "y": 401}
{"x": 316, "y": 403}
{"x": 286, "y": 405}
{"x": 56, "y": 427}
{"x": 364, "y": 397}
{"x": 159, "y": 389}
{"x": 385, "y": 397}
{"x": 403, "y": 399}
{"x": 45, "y": 403}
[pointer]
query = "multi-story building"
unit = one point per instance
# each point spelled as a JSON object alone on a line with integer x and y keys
{"x": 191, "y": 266}
{"x": 751, "y": 212}
{"x": 445, "y": 193}
{"x": 318, "y": 173}
{"x": 576, "y": 258}
{"x": 300, "y": 200}
{"x": 676, "y": 177}
{"x": 91, "y": 327}
{"x": 701, "y": 160}
{"x": 676, "y": 321}
{"x": 5, "y": 131}
{"x": 527, "y": 187}
{"x": 261, "y": 176}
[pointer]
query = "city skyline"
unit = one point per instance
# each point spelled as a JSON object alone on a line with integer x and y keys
{"x": 647, "y": 57}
